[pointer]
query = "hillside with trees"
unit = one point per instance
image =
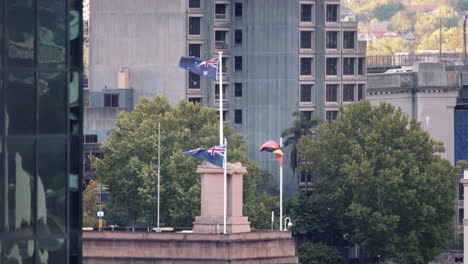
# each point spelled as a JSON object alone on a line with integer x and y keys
{"x": 410, "y": 25}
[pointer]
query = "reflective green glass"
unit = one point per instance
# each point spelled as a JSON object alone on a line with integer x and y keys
{"x": 51, "y": 91}
{"x": 74, "y": 193}
{"x": 51, "y": 251}
{"x": 20, "y": 251}
{"x": 20, "y": 184}
{"x": 51, "y": 186}
{"x": 74, "y": 33}
{"x": 19, "y": 32}
{"x": 20, "y": 103}
{"x": 73, "y": 101}
{"x": 1, "y": 38}
{"x": 52, "y": 33}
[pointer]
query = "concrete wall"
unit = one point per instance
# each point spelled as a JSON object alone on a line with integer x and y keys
{"x": 426, "y": 94}
{"x": 146, "y": 36}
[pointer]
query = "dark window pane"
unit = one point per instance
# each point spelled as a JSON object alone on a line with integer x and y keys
{"x": 220, "y": 9}
{"x": 195, "y": 100}
{"x": 348, "y": 66}
{"x": 332, "y": 66}
{"x": 306, "y": 66}
{"x": 52, "y": 103}
{"x": 332, "y": 92}
{"x": 306, "y": 13}
{"x": 217, "y": 91}
{"x": 220, "y": 35}
{"x": 20, "y": 182}
{"x": 76, "y": 42}
{"x": 194, "y": 3}
{"x": 238, "y": 36}
{"x": 54, "y": 249}
{"x": 1, "y": 59}
{"x": 194, "y": 81}
{"x": 306, "y": 92}
{"x": 194, "y": 25}
{"x": 2, "y": 87}
{"x": 461, "y": 213}
{"x": 306, "y": 39}
{"x": 111, "y": 100}
{"x": 331, "y": 115}
{"x": 238, "y": 89}
{"x": 20, "y": 103}
{"x": 332, "y": 13}
{"x": 360, "y": 92}
{"x": 52, "y": 27}
{"x": 349, "y": 39}
{"x": 73, "y": 101}
{"x": 225, "y": 62}
{"x": 348, "y": 92}
{"x": 238, "y": 9}
{"x": 361, "y": 66}
{"x": 19, "y": 251}
{"x": 19, "y": 36}
{"x": 308, "y": 114}
{"x": 91, "y": 139}
{"x": 52, "y": 175}
{"x": 238, "y": 63}
{"x": 225, "y": 115}
{"x": 194, "y": 50}
{"x": 238, "y": 116}
{"x": 332, "y": 39}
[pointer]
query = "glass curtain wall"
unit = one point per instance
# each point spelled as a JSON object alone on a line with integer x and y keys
{"x": 40, "y": 131}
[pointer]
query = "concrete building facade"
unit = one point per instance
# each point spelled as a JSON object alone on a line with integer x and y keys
{"x": 278, "y": 57}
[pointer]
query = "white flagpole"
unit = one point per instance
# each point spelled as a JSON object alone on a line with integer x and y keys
{"x": 159, "y": 165}
{"x": 220, "y": 71}
{"x": 225, "y": 185}
{"x": 281, "y": 190}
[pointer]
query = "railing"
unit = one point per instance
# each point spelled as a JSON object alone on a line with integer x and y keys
{"x": 410, "y": 59}
{"x": 220, "y": 16}
{"x": 221, "y": 45}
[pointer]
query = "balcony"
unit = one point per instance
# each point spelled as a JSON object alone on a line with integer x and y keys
{"x": 221, "y": 45}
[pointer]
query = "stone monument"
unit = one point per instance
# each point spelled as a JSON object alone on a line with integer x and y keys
{"x": 211, "y": 219}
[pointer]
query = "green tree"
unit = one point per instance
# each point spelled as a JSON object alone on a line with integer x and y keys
{"x": 451, "y": 40}
{"x": 389, "y": 46}
{"x": 90, "y": 204}
{"x": 318, "y": 254}
{"x": 301, "y": 127}
{"x": 425, "y": 24}
{"x": 403, "y": 21}
{"x": 387, "y": 10}
{"x": 129, "y": 166}
{"x": 381, "y": 176}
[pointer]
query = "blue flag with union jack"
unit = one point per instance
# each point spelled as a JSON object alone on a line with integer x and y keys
{"x": 208, "y": 68}
{"x": 214, "y": 155}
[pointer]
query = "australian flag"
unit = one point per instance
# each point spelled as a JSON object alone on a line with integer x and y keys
{"x": 208, "y": 68}
{"x": 214, "y": 155}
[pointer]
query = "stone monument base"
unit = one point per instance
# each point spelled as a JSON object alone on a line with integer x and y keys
{"x": 256, "y": 247}
{"x": 214, "y": 224}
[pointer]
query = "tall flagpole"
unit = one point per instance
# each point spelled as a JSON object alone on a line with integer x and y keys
{"x": 225, "y": 185}
{"x": 281, "y": 189}
{"x": 220, "y": 70}
{"x": 159, "y": 165}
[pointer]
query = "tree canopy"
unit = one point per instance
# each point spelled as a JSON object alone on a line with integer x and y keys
{"x": 380, "y": 184}
{"x": 129, "y": 166}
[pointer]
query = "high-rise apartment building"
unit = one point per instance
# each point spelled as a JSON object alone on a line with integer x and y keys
{"x": 278, "y": 57}
{"x": 40, "y": 131}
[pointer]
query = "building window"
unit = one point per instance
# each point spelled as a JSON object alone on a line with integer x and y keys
{"x": 111, "y": 100}
{"x": 238, "y": 36}
{"x": 225, "y": 65}
{"x": 220, "y": 39}
{"x": 194, "y": 50}
{"x": 331, "y": 115}
{"x": 195, "y": 100}
{"x": 332, "y": 66}
{"x": 306, "y": 66}
{"x": 306, "y": 39}
{"x": 348, "y": 92}
{"x": 91, "y": 139}
{"x": 349, "y": 38}
{"x": 461, "y": 213}
{"x": 238, "y": 63}
{"x": 306, "y": 92}
{"x": 348, "y": 66}
{"x": 225, "y": 87}
{"x": 238, "y": 89}
{"x": 306, "y": 13}
{"x": 332, "y": 13}
{"x": 194, "y": 4}
{"x": 332, "y": 39}
{"x": 194, "y": 26}
{"x": 308, "y": 114}
{"x": 194, "y": 81}
{"x": 238, "y": 9}
{"x": 220, "y": 12}
{"x": 332, "y": 93}
{"x": 361, "y": 66}
{"x": 461, "y": 192}
{"x": 225, "y": 115}
{"x": 360, "y": 95}
{"x": 237, "y": 116}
